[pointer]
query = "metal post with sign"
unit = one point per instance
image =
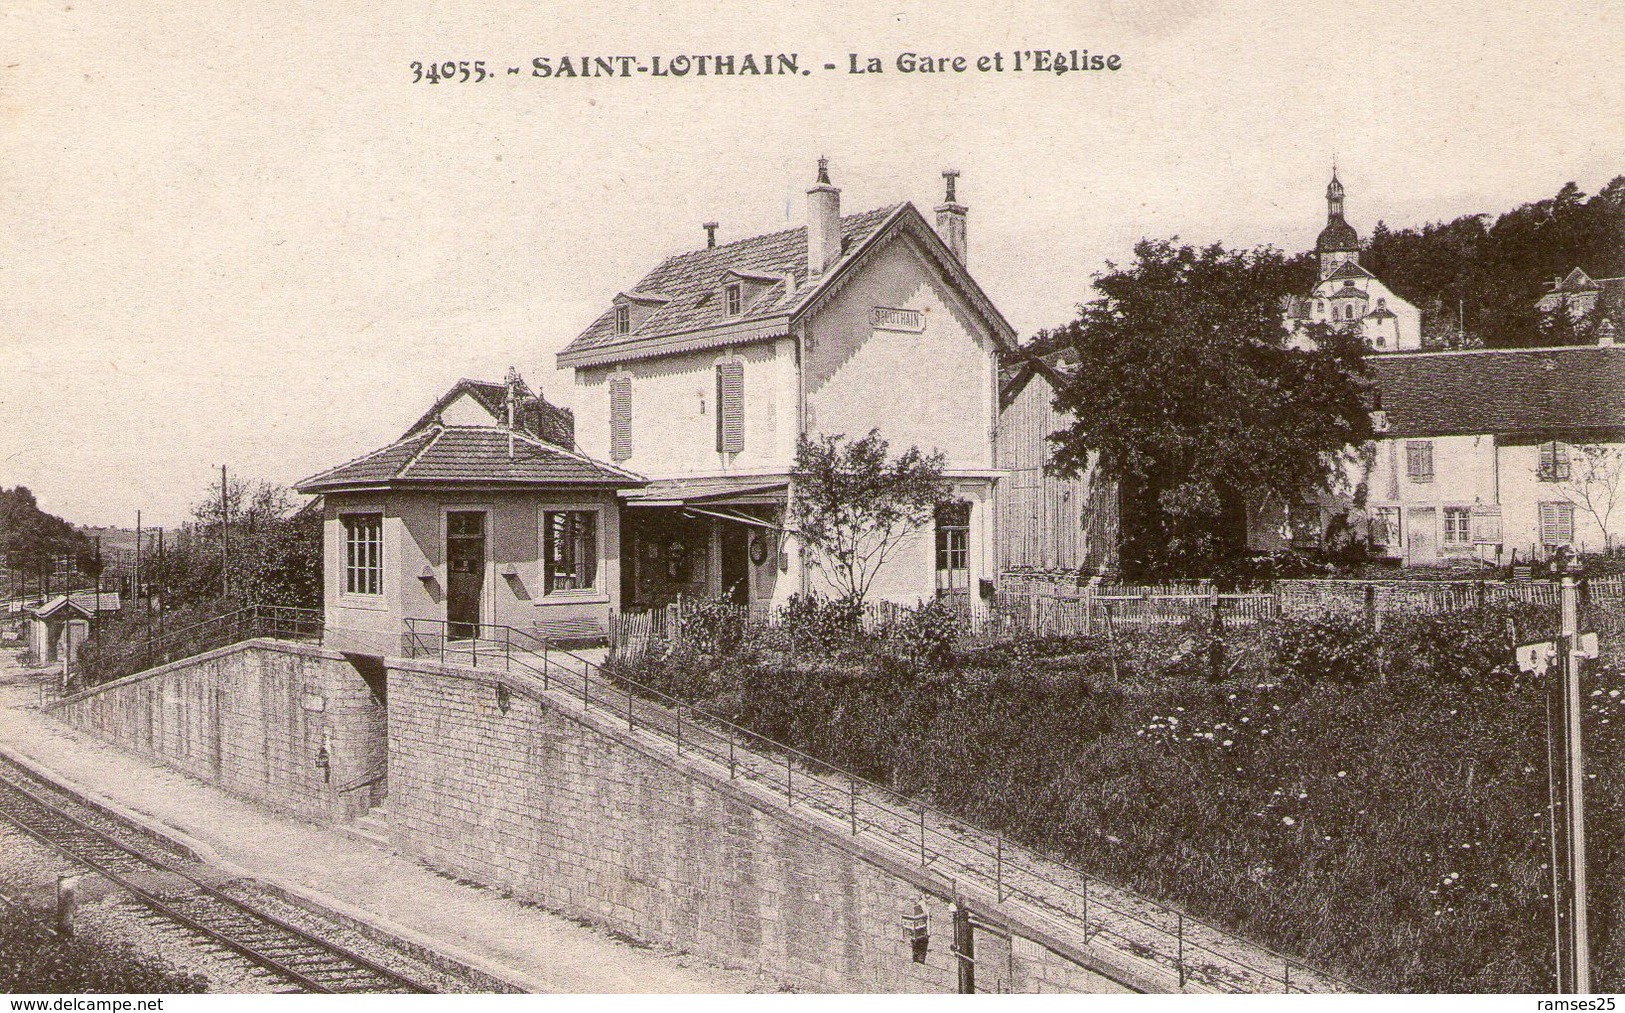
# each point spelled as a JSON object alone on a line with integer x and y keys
{"x": 1567, "y": 759}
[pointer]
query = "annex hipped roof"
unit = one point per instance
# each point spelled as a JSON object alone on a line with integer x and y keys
{"x": 690, "y": 281}
{"x": 468, "y": 455}
{"x": 1502, "y": 392}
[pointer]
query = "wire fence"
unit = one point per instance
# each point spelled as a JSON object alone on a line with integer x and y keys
{"x": 1070, "y": 902}
{"x": 104, "y": 658}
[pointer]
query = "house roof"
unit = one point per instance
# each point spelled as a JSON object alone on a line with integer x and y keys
{"x": 63, "y": 603}
{"x": 1502, "y": 392}
{"x": 469, "y": 455}
{"x": 689, "y": 282}
{"x": 1053, "y": 367}
{"x": 532, "y": 413}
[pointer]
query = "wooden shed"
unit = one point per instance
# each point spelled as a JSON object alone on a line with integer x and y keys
{"x": 56, "y": 629}
{"x": 1045, "y": 523}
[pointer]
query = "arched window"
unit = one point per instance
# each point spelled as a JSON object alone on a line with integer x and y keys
{"x": 1348, "y": 312}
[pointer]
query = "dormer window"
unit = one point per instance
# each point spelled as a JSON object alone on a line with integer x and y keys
{"x": 733, "y": 298}
{"x": 1348, "y": 282}
{"x": 623, "y": 319}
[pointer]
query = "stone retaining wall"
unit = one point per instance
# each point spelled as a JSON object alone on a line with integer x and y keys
{"x": 291, "y": 725}
{"x": 559, "y": 806}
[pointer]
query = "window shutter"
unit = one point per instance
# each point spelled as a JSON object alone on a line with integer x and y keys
{"x": 620, "y": 418}
{"x": 730, "y": 407}
{"x": 1556, "y": 523}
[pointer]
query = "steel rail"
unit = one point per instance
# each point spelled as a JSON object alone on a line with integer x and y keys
{"x": 11, "y": 790}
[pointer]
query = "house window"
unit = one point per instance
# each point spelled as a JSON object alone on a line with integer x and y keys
{"x": 569, "y": 550}
{"x": 363, "y": 553}
{"x": 953, "y": 547}
{"x": 731, "y": 300}
{"x": 1556, "y": 524}
{"x": 620, "y": 417}
{"x": 1554, "y": 462}
{"x": 1419, "y": 460}
{"x": 1457, "y": 526}
{"x": 623, "y": 320}
{"x": 1348, "y": 312}
{"x": 730, "y": 407}
{"x": 1385, "y": 527}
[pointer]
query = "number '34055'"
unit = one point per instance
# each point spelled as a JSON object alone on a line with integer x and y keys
{"x": 449, "y": 71}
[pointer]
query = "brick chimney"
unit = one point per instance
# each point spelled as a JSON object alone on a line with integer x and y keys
{"x": 823, "y": 223}
{"x": 951, "y": 218}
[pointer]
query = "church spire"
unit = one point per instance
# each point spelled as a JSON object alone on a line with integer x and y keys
{"x": 1338, "y": 242}
{"x": 1334, "y": 197}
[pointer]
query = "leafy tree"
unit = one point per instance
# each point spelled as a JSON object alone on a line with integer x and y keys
{"x": 1197, "y": 404}
{"x": 1596, "y": 483}
{"x": 32, "y": 538}
{"x": 854, "y": 507}
{"x": 274, "y": 558}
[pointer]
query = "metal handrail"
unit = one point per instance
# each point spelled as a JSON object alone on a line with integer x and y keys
{"x": 953, "y": 832}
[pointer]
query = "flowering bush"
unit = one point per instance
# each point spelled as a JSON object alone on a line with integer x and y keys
{"x": 1335, "y": 648}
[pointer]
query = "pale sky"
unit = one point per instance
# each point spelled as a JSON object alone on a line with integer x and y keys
{"x": 240, "y": 234}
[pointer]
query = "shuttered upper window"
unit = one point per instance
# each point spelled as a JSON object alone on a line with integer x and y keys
{"x": 730, "y": 407}
{"x": 620, "y": 417}
{"x": 1554, "y": 462}
{"x": 1419, "y": 460}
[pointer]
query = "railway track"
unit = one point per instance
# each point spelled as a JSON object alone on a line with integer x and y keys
{"x": 306, "y": 961}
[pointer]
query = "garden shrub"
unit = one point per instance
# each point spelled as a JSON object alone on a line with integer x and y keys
{"x": 812, "y": 624}
{"x": 1339, "y": 648}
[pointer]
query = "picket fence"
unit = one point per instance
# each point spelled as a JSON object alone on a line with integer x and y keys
{"x": 1029, "y": 605}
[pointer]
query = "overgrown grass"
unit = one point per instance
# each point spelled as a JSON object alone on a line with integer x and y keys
{"x": 33, "y": 960}
{"x": 1393, "y": 830}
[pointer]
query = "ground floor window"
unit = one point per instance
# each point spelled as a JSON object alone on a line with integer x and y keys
{"x": 1385, "y": 527}
{"x": 1556, "y": 524}
{"x": 1457, "y": 526}
{"x": 953, "y": 546}
{"x": 569, "y": 550}
{"x": 363, "y": 553}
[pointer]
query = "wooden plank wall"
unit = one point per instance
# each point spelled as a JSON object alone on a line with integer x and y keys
{"x": 1044, "y": 522}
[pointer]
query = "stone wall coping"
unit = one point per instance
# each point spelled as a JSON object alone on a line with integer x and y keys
{"x": 256, "y": 643}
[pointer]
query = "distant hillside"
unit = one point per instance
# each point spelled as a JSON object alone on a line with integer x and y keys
{"x": 1491, "y": 272}
{"x": 1480, "y": 272}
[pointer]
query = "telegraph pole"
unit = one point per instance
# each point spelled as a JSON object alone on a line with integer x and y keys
{"x": 225, "y": 551}
{"x": 1577, "y": 953}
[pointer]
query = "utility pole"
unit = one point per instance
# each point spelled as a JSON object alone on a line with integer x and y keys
{"x": 225, "y": 551}
{"x": 1574, "y": 975}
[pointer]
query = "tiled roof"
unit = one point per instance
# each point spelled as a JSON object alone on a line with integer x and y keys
{"x": 469, "y": 454}
{"x": 689, "y": 282}
{"x": 1502, "y": 392}
{"x": 533, "y": 413}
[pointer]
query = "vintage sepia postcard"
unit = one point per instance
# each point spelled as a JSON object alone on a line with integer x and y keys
{"x": 1092, "y": 497}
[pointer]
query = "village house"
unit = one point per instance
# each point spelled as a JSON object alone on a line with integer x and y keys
{"x": 1593, "y": 304}
{"x": 482, "y": 513}
{"x": 1492, "y": 456}
{"x": 703, "y": 374}
{"x": 1047, "y": 524}
{"x": 1497, "y": 453}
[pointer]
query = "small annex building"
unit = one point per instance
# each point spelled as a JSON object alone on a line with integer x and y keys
{"x": 482, "y": 514}
{"x": 1047, "y": 524}
{"x": 57, "y": 629}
